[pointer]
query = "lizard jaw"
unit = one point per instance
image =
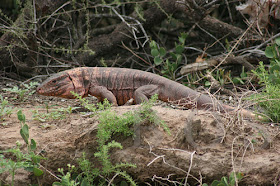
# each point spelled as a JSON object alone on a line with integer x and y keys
{"x": 59, "y": 85}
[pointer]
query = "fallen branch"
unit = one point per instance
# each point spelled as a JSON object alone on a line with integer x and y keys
{"x": 198, "y": 66}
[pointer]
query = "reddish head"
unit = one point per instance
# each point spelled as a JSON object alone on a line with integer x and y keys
{"x": 61, "y": 85}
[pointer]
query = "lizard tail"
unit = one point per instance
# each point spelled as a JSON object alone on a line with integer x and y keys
{"x": 244, "y": 112}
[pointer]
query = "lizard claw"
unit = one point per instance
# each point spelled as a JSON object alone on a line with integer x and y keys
{"x": 129, "y": 102}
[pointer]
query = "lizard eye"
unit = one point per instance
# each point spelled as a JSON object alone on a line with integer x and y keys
{"x": 54, "y": 81}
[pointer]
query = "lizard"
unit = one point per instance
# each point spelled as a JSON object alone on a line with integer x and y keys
{"x": 119, "y": 85}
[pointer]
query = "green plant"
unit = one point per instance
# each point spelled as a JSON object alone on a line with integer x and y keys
{"x": 221, "y": 76}
{"x": 22, "y": 93}
{"x": 88, "y": 172}
{"x": 91, "y": 107}
{"x": 231, "y": 181}
{"x": 30, "y": 87}
{"x": 269, "y": 98}
{"x": 66, "y": 179}
{"x": 107, "y": 167}
{"x": 224, "y": 77}
{"x": 29, "y": 161}
{"x": 272, "y": 52}
{"x": 241, "y": 78}
{"x": 173, "y": 60}
{"x": 4, "y": 109}
{"x": 146, "y": 113}
{"x": 110, "y": 124}
{"x": 52, "y": 114}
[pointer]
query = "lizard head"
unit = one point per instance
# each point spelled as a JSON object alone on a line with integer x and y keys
{"x": 59, "y": 85}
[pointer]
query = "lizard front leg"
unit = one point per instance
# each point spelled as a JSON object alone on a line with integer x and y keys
{"x": 101, "y": 93}
{"x": 144, "y": 92}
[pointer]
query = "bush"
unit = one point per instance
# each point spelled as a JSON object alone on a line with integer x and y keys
{"x": 269, "y": 98}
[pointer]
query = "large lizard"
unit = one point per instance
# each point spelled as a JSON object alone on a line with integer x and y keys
{"x": 119, "y": 85}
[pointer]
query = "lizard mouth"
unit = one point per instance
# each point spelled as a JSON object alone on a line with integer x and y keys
{"x": 39, "y": 90}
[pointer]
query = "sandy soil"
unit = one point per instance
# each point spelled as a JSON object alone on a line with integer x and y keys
{"x": 202, "y": 146}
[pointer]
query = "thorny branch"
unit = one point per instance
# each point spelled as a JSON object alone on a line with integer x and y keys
{"x": 165, "y": 162}
{"x": 103, "y": 40}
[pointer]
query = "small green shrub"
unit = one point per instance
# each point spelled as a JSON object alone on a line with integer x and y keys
{"x": 91, "y": 107}
{"x": 66, "y": 179}
{"x": 169, "y": 61}
{"x": 243, "y": 76}
{"x": 23, "y": 93}
{"x": 269, "y": 98}
{"x": 4, "y": 109}
{"x": 53, "y": 114}
{"x": 29, "y": 161}
{"x": 231, "y": 181}
{"x": 146, "y": 113}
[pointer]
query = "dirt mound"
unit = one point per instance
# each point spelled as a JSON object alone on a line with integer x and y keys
{"x": 202, "y": 146}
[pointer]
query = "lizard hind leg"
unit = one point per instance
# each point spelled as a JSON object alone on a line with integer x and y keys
{"x": 144, "y": 92}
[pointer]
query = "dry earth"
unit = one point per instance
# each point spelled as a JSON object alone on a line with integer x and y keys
{"x": 202, "y": 145}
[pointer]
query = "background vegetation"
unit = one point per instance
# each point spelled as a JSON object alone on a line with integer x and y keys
{"x": 219, "y": 45}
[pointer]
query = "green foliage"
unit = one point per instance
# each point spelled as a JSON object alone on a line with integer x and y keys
{"x": 227, "y": 181}
{"x": 15, "y": 6}
{"x": 4, "y": 109}
{"x": 88, "y": 172}
{"x": 110, "y": 124}
{"x": 67, "y": 51}
{"x": 22, "y": 93}
{"x": 269, "y": 99}
{"x": 146, "y": 113}
{"x": 243, "y": 76}
{"x": 272, "y": 51}
{"x": 104, "y": 157}
{"x": 169, "y": 61}
{"x": 7, "y": 19}
{"x": 228, "y": 46}
{"x": 53, "y": 114}
{"x": 29, "y": 161}
{"x": 66, "y": 179}
{"x": 91, "y": 107}
{"x": 157, "y": 2}
{"x": 222, "y": 76}
{"x": 139, "y": 11}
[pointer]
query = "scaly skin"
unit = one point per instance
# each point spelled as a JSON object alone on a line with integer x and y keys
{"x": 119, "y": 85}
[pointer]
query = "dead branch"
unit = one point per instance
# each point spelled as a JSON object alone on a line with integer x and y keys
{"x": 104, "y": 44}
{"x": 193, "y": 67}
{"x": 131, "y": 28}
{"x": 21, "y": 51}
